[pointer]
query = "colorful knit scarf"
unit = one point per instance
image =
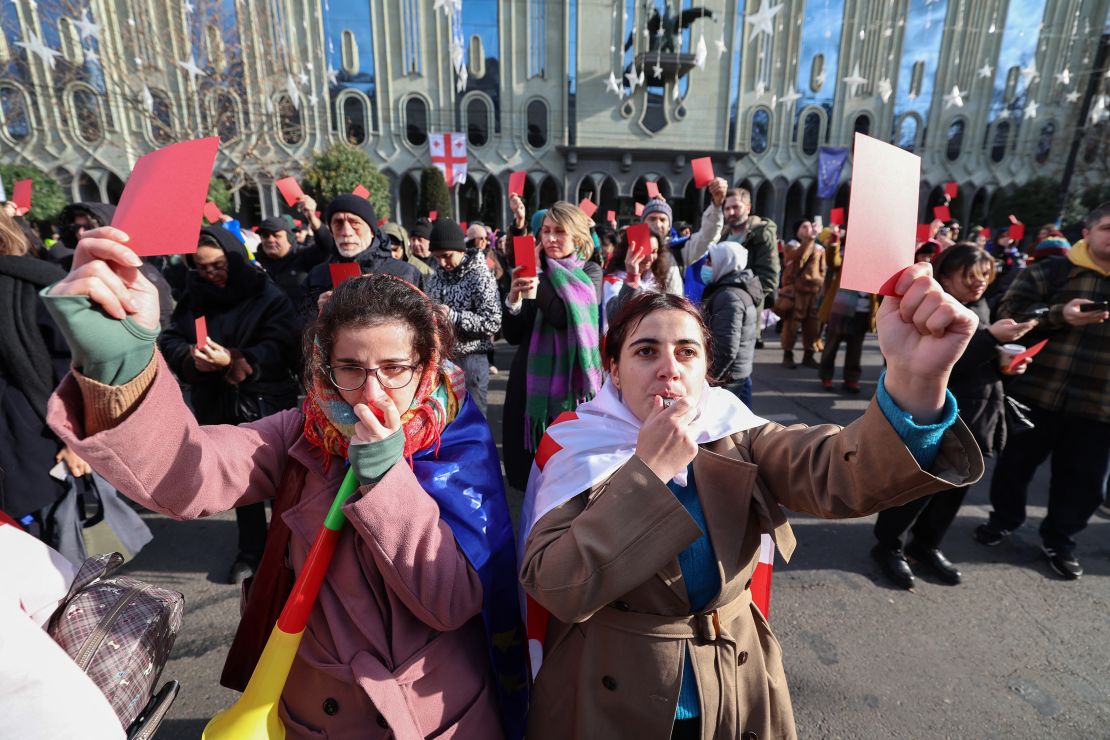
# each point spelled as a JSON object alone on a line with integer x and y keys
{"x": 329, "y": 421}
{"x": 564, "y": 366}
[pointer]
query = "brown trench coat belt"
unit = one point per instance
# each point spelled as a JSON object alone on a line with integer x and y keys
{"x": 706, "y": 625}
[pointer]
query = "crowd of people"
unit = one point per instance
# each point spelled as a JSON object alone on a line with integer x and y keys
{"x": 628, "y": 421}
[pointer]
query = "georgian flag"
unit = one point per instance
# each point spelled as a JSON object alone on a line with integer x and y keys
{"x": 449, "y": 155}
{"x": 584, "y": 447}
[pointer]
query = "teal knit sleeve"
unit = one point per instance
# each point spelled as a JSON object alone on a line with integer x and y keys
{"x": 923, "y": 441}
{"x": 373, "y": 460}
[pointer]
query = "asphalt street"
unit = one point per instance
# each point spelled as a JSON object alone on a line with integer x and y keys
{"x": 1013, "y": 652}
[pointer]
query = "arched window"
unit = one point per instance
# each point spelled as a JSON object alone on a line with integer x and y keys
{"x": 13, "y": 113}
{"x": 215, "y": 42}
{"x": 225, "y": 113}
{"x": 817, "y": 73}
{"x": 1001, "y": 140}
{"x": 289, "y": 119}
{"x": 917, "y": 78}
{"x": 811, "y": 133}
{"x": 161, "y": 118}
{"x": 537, "y": 124}
{"x": 416, "y": 121}
{"x": 477, "y": 122}
{"x": 955, "y": 139}
{"x": 86, "y": 108}
{"x": 1044, "y": 142}
{"x": 1009, "y": 91}
{"x": 761, "y": 130}
{"x": 348, "y": 52}
{"x": 70, "y": 41}
{"x": 907, "y": 133}
{"x": 862, "y": 124}
{"x": 354, "y": 119}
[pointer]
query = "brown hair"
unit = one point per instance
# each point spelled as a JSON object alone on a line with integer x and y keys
{"x": 636, "y": 310}
{"x": 963, "y": 259}
{"x": 571, "y": 218}
{"x": 659, "y": 267}
{"x": 374, "y": 300}
{"x": 13, "y": 242}
{"x": 741, "y": 193}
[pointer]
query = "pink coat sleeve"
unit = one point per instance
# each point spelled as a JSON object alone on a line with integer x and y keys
{"x": 162, "y": 458}
{"x": 415, "y": 550}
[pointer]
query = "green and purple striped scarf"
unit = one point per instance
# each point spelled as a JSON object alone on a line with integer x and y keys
{"x": 564, "y": 365}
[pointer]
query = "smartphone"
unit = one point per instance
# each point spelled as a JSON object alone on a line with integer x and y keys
{"x": 1099, "y": 306}
{"x": 1036, "y": 313}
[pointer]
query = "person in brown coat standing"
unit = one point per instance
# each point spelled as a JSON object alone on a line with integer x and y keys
{"x": 642, "y": 532}
{"x": 803, "y": 274}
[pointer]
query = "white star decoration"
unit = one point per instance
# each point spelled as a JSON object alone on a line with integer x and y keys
{"x": 463, "y": 76}
{"x": 1064, "y": 76}
{"x": 986, "y": 71}
{"x": 657, "y": 71}
{"x": 87, "y": 28}
{"x": 1031, "y": 109}
{"x": 853, "y": 81}
{"x": 700, "y": 52}
{"x": 1029, "y": 73}
{"x": 39, "y": 48}
{"x": 92, "y": 56}
{"x": 954, "y": 98}
{"x": 721, "y": 48}
{"x": 613, "y": 86}
{"x": 333, "y": 76}
{"x": 313, "y": 100}
{"x": 762, "y": 22}
{"x": 194, "y": 71}
{"x": 1072, "y": 97}
{"x": 302, "y": 78}
{"x": 148, "y": 100}
{"x": 884, "y": 89}
{"x": 790, "y": 97}
{"x": 294, "y": 93}
{"x": 190, "y": 8}
{"x": 760, "y": 87}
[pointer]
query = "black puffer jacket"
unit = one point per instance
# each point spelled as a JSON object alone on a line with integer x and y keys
{"x": 249, "y": 316}
{"x": 470, "y": 292}
{"x": 976, "y": 382}
{"x": 731, "y": 306}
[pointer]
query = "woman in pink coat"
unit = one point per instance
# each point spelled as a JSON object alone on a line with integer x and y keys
{"x": 416, "y": 631}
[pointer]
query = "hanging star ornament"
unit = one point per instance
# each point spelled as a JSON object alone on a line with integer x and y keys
{"x": 763, "y": 21}
{"x": 190, "y": 8}
{"x": 853, "y": 81}
{"x": 333, "y": 76}
{"x": 294, "y": 93}
{"x": 194, "y": 71}
{"x": 87, "y": 28}
{"x": 790, "y": 97}
{"x": 148, "y": 100}
{"x": 721, "y": 48}
{"x": 92, "y": 56}
{"x": 1072, "y": 97}
{"x": 1064, "y": 76}
{"x": 302, "y": 78}
{"x": 986, "y": 71}
{"x": 463, "y": 76}
{"x": 1029, "y": 73}
{"x": 700, "y": 52}
{"x": 1031, "y": 109}
{"x": 884, "y": 89}
{"x": 613, "y": 85}
{"x": 954, "y": 98}
{"x": 657, "y": 71}
{"x": 313, "y": 100}
{"x": 37, "y": 47}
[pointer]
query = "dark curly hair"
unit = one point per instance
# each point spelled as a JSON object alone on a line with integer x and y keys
{"x": 374, "y": 300}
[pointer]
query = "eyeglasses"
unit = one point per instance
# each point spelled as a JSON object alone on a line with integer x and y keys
{"x": 218, "y": 266}
{"x": 353, "y": 377}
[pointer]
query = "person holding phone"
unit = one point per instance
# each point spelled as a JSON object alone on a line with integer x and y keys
{"x": 1068, "y": 392}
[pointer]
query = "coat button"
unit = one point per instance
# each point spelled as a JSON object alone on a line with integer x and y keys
{"x": 609, "y": 682}
{"x": 331, "y": 706}
{"x": 742, "y": 658}
{"x": 622, "y": 606}
{"x": 381, "y": 722}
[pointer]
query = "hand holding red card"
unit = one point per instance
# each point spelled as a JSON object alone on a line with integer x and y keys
{"x": 610, "y": 216}
{"x": 361, "y": 191}
{"x": 21, "y": 195}
{"x": 290, "y": 190}
{"x": 516, "y": 183}
{"x": 341, "y": 271}
{"x": 882, "y": 216}
{"x": 639, "y": 210}
{"x": 652, "y": 189}
{"x": 588, "y": 207}
{"x": 703, "y": 171}
{"x": 524, "y": 256}
{"x": 950, "y": 190}
{"x": 1017, "y": 231}
{"x": 202, "y": 332}
{"x": 433, "y": 215}
{"x": 162, "y": 202}
{"x": 836, "y": 217}
{"x": 941, "y": 213}
{"x": 924, "y": 232}
{"x": 1026, "y": 355}
{"x": 639, "y": 241}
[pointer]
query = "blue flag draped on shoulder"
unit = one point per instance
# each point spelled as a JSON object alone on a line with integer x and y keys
{"x": 830, "y": 163}
{"x": 464, "y": 479}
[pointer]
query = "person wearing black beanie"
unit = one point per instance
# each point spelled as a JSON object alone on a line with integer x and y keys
{"x": 286, "y": 262}
{"x": 464, "y": 284}
{"x": 418, "y": 241}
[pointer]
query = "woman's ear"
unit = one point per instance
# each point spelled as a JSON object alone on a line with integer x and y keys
{"x": 615, "y": 375}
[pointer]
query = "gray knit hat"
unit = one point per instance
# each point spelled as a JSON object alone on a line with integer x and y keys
{"x": 657, "y": 205}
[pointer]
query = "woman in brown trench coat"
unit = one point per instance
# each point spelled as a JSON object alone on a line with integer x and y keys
{"x": 642, "y": 533}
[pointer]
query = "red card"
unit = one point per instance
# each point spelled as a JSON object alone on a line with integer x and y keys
{"x": 639, "y": 240}
{"x": 524, "y": 255}
{"x": 639, "y": 210}
{"x": 703, "y": 171}
{"x": 383, "y": 221}
{"x": 652, "y": 189}
{"x": 463, "y": 225}
{"x": 202, "y": 332}
{"x": 610, "y": 215}
{"x": 924, "y": 232}
{"x": 588, "y": 207}
{"x": 951, "y": 189}
{"x": 21, "y": 195}
{"x": 212, "y": 212}
{"x": 836, "y": 217}
{"x": 360, "y": 191}
{"x": 516, "y": 183}
{"x": 297, "y": 223}
{"x": 941, "y": 213}
{"x": 984, "y": 233}
{"x": 432, "y": 215}
{"x": 161, "y": 205}
{"x": 884, "y": 199}
{"x": 1031, "y": 352}
{"x": 340, "y": 271}
{"x": 1017, "y": 232}
{"x": 290, "y": 190}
